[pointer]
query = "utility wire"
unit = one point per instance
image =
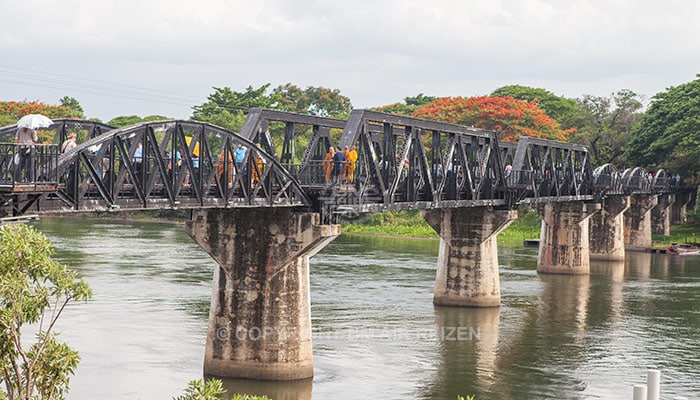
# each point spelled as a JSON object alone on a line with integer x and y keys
{"x": 29, "y": 77}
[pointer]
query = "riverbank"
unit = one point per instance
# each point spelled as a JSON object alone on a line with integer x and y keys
{"x": 410, "y": 224}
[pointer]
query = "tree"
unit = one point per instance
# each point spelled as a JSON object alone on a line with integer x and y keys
{"x": 227, "y": 108}
{"x": 669, "y": 135}
{"x": 604, "y": 125}
{"x": 18, "y": 109}
{"x": 74, "y": 105}
{"x": 557, "y": 107}
{"x": 408, "y": 106}
{"x": 318, "y": 101}
{"x": 126, "y": 120}
{"x": 508, "y": 117}
{"x": 34, "y": 291}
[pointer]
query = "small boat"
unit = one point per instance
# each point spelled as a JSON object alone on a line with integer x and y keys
{"x": 684, "y": 248}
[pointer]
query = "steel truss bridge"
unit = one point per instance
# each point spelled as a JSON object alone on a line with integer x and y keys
{"x": 403, "y": 164}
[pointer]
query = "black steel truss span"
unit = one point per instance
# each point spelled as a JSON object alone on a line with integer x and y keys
{"x": 183, "y": 164}
{"x": 546, "y": 170}
{"x": 403, "y": 163}
{"x": 410, "y": 163}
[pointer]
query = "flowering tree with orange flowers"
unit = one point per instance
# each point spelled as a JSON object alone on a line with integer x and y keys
{"x": 510, "y": 118}
{"x": 11, "y": 111}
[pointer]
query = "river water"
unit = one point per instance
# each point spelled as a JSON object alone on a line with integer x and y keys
{"x": 376, "y": 333}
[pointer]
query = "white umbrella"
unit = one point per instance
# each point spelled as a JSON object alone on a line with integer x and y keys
{"x": 34, "y": 121}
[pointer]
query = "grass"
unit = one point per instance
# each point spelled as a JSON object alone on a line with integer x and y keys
{"x": 687, "y": 233}
{"x": 411, "y": 224}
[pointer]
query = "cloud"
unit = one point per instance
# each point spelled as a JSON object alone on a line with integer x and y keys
{"x": 375, "y": 52}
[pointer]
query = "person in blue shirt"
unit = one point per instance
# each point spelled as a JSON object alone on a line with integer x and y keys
{"x": 240, "y": 157}
{"x": 338, "y": 162}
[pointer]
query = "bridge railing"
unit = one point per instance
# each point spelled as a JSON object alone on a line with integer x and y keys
{"x": 28, "y": 167}
{"x": 313, "y": 173}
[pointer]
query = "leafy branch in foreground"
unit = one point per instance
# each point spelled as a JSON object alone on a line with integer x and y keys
{"x": 34, "y": 290}
{"x": 212, "y": 389}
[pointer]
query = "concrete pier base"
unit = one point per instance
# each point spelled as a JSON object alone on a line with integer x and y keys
{"x": 607, "y": 237}
{"x": 661, "y": 215}
{"x": 638, "y": 222}
{"x": 467, "y": 267}
{"x": 564, "y": 246}
{"x": 260, "y": 322}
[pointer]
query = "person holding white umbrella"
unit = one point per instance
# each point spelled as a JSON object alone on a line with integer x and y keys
{"x": 26, "y": 139}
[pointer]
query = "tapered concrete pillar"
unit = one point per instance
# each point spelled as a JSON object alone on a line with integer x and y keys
{"x": 638, "y": 222}
{"x": 661, "y": 215}
{"x": 259, "y": 322}
{"x": 606, "y": 236}
{"x": 564, "y": 246}
{"x": 467, "y": 268}
{"x": 680, "y": 207}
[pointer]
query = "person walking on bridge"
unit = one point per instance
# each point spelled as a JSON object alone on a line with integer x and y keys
{"x": 352, "y": 162}
{"x": 328, "y": 164}
{"x": 26, "y": 139}
{"x": 338, "y": 162}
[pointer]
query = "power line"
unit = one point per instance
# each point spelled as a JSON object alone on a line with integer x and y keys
{"x": 30, "y": 77}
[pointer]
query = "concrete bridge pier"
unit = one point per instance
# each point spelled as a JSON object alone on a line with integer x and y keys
{"x": 467, "y": 267}
{"x": 638, "y": 222}
{"x": 661, "y": 215}
{"x": 260, "y": 322}
{"x": 680, "y": 207}
{"x": 607, "y": 237}
{"x": 564, "y": 246}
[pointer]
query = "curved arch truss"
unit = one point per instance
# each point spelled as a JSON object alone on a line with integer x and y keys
{"x": 170, "y": 164}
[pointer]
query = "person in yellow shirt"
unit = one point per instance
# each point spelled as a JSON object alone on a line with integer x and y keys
{"x": 351, "y": 158}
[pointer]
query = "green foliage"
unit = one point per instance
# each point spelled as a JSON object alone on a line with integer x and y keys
{"x": 227, "y": 108}
{"x": 124, "y": 120}
{"x": 684, "y": 233}
{"x": 212, "y": 389}
{"x": 31, "y": 284}
{"x": 473, "y": 397}
{"x": 200, "y": 390}
{"x": 409, "y": 105}
{"x": 669, "y": 136}
{"x": 526, "y": 226}
{"x": 393, "y": 223}
{"x": 604, "y": 125}
{"x": 74, "y": 105}
{"x": 557, "y": 107}
{"x": 318, "y": 101}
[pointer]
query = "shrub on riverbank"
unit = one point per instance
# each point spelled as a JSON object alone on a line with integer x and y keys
{"x": 212, "y": 389}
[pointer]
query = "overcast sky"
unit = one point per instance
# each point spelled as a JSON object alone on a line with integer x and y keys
{"x": 146, "y": 57}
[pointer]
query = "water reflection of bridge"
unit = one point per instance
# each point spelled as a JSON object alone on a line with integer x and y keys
{"x": 262, "y": 216}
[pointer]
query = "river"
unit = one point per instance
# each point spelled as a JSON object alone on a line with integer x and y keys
{"x": 376, "y": 333}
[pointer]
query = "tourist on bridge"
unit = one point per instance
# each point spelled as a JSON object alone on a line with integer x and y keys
{"x": 338, "y": 162}
{"x": 26, "y": 139}
{"x": 258, "y": 166}
{"x": 352, "y": 162}
{"x": 69, "y": 144}
{"x": 346, "y": 164}
{"x": 240, "y": 157}
{"x": 138, "y": 159}
{"x": 328, "y": 164}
